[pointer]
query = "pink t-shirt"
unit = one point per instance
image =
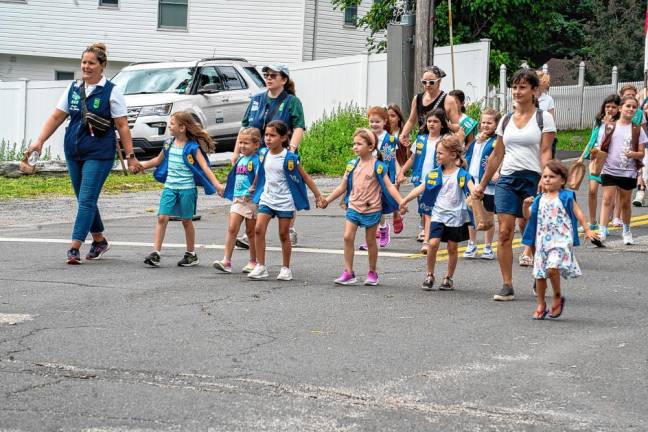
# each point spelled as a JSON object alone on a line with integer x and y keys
{"x": 366, "y": 195}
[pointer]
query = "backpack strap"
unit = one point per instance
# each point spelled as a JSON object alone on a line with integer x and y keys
{"x": 506, "y": 120}
{"x": 538, "y": 116}
{"x": 607, "y": 136}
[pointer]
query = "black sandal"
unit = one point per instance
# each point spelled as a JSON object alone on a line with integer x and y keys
{"x": 447, "y": 284}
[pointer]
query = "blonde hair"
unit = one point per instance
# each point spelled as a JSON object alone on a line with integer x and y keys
{"x": 454, "y": 145}
{"x": 100, "y": 51}
{"x": 253, "y": 133}
{"x": 194, "y": 131}
{"x": 545, "y": 78}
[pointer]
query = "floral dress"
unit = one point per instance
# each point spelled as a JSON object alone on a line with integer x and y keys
{"x": 554, "y": 241}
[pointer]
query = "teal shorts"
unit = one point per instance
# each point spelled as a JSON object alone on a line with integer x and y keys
{"x": 596, "y": 178}
{"x": 178, "y": 202}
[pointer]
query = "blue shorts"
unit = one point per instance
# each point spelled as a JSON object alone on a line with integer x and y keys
{"x": 512, "y": 190}
{"x": 363, "y": 220}
{"x": 178, "y": 202}
{"x": 446, "y": 233}
{"x": 281, "y": 214}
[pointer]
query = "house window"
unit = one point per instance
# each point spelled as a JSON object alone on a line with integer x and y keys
{"x": 173, "y": 14}
{"x": 109, "y": 3}
{"x": 63, "y": 76}
{"x": 351, "y": 15}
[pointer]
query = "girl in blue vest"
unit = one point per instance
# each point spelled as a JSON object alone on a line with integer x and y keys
{"x": 609, "y": 113}
{"x": 280, "y": 190}
{"x": 387, "y": 145}
{"x": 181, "y": 166}
{"x": 477, "y": 159}
{"x": 443, "y": 196}
{"x": 239, "y": 190}
{"x": 467, "y": 124}
{"x": 423, "y": 160}
{"x": 552, "y": 230}
{"x": 369, "y": 196}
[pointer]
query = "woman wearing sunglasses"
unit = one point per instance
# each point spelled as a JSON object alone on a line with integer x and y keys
{"x": 278, "y": 102}
{"x": 431, "y": 98}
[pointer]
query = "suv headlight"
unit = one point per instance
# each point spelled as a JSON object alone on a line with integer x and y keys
{"x": 156, "y": 110}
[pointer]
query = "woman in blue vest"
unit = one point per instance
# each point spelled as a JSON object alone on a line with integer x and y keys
{"x": 89, "y": 153}
{"x": 277, "y": 102}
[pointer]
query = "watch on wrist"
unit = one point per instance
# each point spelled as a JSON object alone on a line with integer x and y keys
{"x": 130, "y": 156}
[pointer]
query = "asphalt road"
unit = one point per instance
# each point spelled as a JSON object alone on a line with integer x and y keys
{"x": 114, "y": 346}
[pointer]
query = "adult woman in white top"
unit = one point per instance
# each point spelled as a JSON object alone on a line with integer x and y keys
{"x": 523, "y": 148}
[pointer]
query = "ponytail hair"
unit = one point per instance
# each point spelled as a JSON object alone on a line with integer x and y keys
{"x": 194, "y": 131}
{"x": 454, "y": 145}
{"x": 282, "y": 129}
{"x": 100, "y": 51}
{"x": 370, "y": 138}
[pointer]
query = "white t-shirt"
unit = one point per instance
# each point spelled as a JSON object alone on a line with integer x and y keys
{"x": 276, "y": 192}
{"x": 617, "y": 163}
{"x": 429, "y": 162}
{"x": 475, "y": 162}
{"x": 117, "y": 101}
{"x": 546, "y": 102}
{"x": 522, "y": 146}
{"x": 381, "y": 138}
{"x": 450, "y": 207}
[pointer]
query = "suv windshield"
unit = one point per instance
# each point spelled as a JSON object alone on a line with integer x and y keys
{"x": 142, "y": 81}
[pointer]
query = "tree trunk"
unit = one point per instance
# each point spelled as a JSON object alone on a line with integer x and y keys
{"x": 422, "y": 40}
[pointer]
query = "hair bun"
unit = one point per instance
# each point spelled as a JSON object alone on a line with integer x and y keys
{"x": 99, "y": 46}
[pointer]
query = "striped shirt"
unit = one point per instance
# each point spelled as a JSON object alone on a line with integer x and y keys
{"x": 179, "y": 175}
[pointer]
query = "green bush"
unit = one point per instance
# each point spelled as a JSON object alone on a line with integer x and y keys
{"x": 327, "y": 144}
{"x": 13, "y": 152}
{"x": 474, "y": 109}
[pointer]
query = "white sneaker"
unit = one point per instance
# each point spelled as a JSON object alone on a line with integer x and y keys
{"x": 627, "y": 238}
{"x": 638, "y": 199}
{"x": 293, "y": 236}
{"x": 616, "y": 222}
{"x": 471, "y": 250}
{"x": 259, "y": 272}
{"x": 602, "y": 233}
{"x": 285, "y": 274}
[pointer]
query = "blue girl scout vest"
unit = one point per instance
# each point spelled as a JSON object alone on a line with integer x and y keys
{"x": 295, "y": 180}
{"x": 261, "y": 106}
{"x": 389, "y": 204}
{"x": 249, "y": 169}
{"x": 567, "y": 199}
{"x": 419, "y": 158}
{"x": 189, "y": 151}
{"x": 487, "y": 149}
{"x": 388, "y": 150}
{"x": 433, "y": 183}
{"x": 79, "y": 144}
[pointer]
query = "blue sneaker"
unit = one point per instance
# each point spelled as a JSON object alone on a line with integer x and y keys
{"x": 73, "y": 257}
{"x": 488, "y": 253}
{"x": 471, "y": 250}
{"x": 98, "y": 249}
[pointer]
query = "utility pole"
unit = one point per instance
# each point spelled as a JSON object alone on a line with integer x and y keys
{"x": 422, "y": 41}
{"x": 431, "y": 21}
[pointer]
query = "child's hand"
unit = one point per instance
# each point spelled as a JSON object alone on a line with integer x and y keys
{"x": 400, "y": 178}
{"x": 323, "y": 203}
{"x": 402, "y": 208}
{"x": 528, "y": 201}
{"x": 220, "y": 189}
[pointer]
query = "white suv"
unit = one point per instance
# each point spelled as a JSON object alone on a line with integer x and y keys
{"x": 215, "y": 90}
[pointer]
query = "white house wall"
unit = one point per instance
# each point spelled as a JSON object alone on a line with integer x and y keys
{"x": 16, "y": 67}
{"x": 258, "y": 30}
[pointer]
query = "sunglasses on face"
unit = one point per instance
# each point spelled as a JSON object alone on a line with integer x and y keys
{"x": 272, "y": 75}
{"x": 429, "y": 82}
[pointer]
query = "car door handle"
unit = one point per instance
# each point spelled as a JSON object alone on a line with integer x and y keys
{"x": 225, "y": 99}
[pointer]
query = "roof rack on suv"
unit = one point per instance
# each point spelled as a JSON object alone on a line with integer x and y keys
{"x": 144, "y": 62}
{"x": 223, "y": 58}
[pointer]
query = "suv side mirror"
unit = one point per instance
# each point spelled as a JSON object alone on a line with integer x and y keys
{"x": 210, "y": 88}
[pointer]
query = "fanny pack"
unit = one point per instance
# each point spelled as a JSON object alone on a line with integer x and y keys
{"x": 97, "y": 124}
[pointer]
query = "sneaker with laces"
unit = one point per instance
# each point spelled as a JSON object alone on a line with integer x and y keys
{"x": 98, "y": 249}
{"x": 364, "y": 246}
{"x": 385, "y": 238}
{"x": 285, "y": 274}
{"x": 602, "y": 233}
{"x": 153, "y": 259}
{"x": 471, "y": 250}
{"x": 259, "y": 272}
{"x": 242, "y": 242}
{"x": 189, "y": 260}
{"x": 346, "y": 278}
{"x": 223, "y": 266}
{"x": 293, "y": 236}
{"x": 372, "y": 279}
{"x": 627, "y": 238}
{"x": 447, "y": 284}
{"x": 428, "y": 283}
{"x": 505, "y": 294}
{"x": 488, "y": 253}
{"x": 398, "y": 225}
{"x": 616, "y": 222}
{"x": 248, "y": 267}
{"x": 639, "y": 198}
{"x": 73, "y": 256}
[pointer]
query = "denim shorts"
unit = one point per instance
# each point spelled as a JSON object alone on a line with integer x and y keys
{"x": 511, "y": 191}
{"x": 178, "y": 202}
{"x": 363, "y": 220}
{"x": 281, "y": 214}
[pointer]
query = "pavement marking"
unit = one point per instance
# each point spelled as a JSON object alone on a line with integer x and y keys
{"x": 13, "y": 319}
{"x": 442, "y": 254}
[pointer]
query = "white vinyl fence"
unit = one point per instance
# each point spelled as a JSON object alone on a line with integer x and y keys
{"x": 322, "y": 86}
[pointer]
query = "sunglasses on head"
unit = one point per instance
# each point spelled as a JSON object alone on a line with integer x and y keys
{"x": 429, "y": 82}
{"x": 272, "y": 75}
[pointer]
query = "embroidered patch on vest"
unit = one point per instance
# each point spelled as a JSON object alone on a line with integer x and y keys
{"x": 291, "y": 165}
{"x": 462, "y": 181}
{"x": 380, "y": 169}
{"x": 96, "y": 102}
{"x": 419, "y": 147}
{"x": 190, "y": 159}
{"x": 350, "y": 166}
{"x": 391, "y": 138}
{"x": 433, "y": 174}
{"x": 250, "y": 166}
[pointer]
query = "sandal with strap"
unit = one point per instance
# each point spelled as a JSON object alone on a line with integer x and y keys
{"x": 421, "y": 237}
{"x": 557, "y": 310}
{"x": 447, "y": 284}
{"x": 525, "y": 260}
{"x": 540, "y": 313}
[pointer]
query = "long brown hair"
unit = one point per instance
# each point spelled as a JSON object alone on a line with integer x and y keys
{"x": 456, "y": 146}
{"x": 194, "y": 131}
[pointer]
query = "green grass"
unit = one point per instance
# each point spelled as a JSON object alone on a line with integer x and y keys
{"x": 39, "y": 185}
{"x": 573, "y": 139}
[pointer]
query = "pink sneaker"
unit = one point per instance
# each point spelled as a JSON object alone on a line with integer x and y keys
{"x": 372, "y": 279}
{"x": 384, "y": 239}
{"x": 346, "y": 278}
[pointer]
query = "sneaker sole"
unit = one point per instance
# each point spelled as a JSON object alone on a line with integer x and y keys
{"x": 367, "y": 283}
{"x": 442, "y": 288}
{"x": 636, "y": 204}
{"x": 152, "y": 264}
{"x": 386, "y": 244}
{"x": 222, "y": 269}
{"x": 195, "y": 263}
{"x": 246, "y": 271}
{"x": 498, "y": 297}
{"x": 284, "y": 279}
{"x": 74, "y": 261}
{"x": 241, "y": 245}
{"x": 259, "y": 277}
{"x": 470, "y": 256}
{"x": 345, "y": 283}
{"x": 490, "y": 258}
{"x": 89, "y": 258}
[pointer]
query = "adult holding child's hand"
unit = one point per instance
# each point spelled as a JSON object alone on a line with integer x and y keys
{"x": 95, "y": 108}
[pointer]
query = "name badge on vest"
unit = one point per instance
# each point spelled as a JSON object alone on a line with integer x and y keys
{"x": 74, "y": 103}
{"x": 255, "y": 106}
